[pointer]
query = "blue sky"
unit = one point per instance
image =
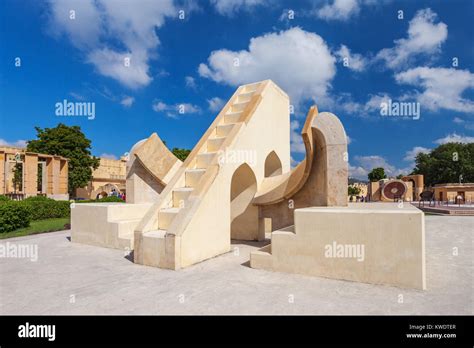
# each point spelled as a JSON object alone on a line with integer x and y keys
{"x": 345, "y": 56}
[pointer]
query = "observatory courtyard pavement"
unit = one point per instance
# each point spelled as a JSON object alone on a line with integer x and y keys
{"x": 70, "y": 278}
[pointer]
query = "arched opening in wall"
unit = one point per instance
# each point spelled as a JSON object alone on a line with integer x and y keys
{"x": 272, "y": 165}
{"x": 243, "y": 214}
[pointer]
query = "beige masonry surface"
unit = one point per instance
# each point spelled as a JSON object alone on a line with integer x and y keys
{"x": 379, "y": 243}
{"x": 237, "y": 183}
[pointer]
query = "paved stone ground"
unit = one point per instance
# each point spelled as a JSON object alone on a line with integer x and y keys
{"x": 103, "y": 281}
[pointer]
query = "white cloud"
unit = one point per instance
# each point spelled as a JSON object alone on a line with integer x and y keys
{"x": 365, "y": 164}
{"x": 108, "y": 156}
{"x": 410, "y": 155}
{"x": 17, "y": 143}
{"x": 455, "y": 138}
{"x": 339, "y": 10}
{"x": 174, "y": 110}
{"x": 349, "y": 139}
{"x": 442, "y": 88}
{"x": 112, "y": 64}
{"x": 127, "y": 101}
{"x": 131, "y": 24}
{"x": 296, "y": 140}
{"x": 370, "y": 162}
{"x": 84, "y": 29}
{"x": 458, "y": 120}
{"x": 215, "y": 104}
{"x": 424, "y": 37}
{"x": 190, "y": 82}
{"x": 355, "y": 62}
{"x": 358, "y": 172}
{"x": 298, "y": 61}
{"x": 346, "y": 103}
{"x": 231, "y": 7}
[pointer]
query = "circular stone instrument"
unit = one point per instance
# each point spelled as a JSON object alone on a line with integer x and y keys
{"x": 393, "y": 190}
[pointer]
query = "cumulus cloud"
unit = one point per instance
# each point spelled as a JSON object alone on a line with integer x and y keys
{"x": 298, "y": 61}
{"x": 373, "y": 104}
{"x": 410, "y": 155}
{"x": 231, "y": 7}
{"x": 441, "y": 88}
{"x": 132, "y": 24}
{"x": 425, "y": 36}
{"x": 339, "y": 10}
{"x": 16, "y": 143}
{"x": 358, "y": 172}
{"x": 215, "y": 104}
{"x": 296, "y": 141}
{"x": 355, "y": 62}
{"x": 455, "y": 138}
{"x": 174, "y": 110}
{"x": 127, "y": 101}
{"x": 364, "y": 164}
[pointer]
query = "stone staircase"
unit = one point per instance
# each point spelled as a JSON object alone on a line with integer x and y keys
{"x": 186, "y": 182}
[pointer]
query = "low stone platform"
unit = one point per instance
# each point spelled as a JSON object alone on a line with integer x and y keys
{"x": 109, "y": 225}
{"x": 378, "y": 243}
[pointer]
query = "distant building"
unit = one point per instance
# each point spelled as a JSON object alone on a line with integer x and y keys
{"x": 408, "y": 188}
{"x": 25, "y": 174}
{"x": 451, "y": 191}
{"x": 109, "y": 176}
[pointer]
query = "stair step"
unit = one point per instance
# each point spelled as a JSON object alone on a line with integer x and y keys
{"x": 155, "y": 234}
{"x": 214, "y": 144}
{"x": 250, "y": 88}
{"x": 236, "y": 107}
{"x": 203, "y": 160}
{"x": 192, "y": 176}
{"x": 245, "y": 97}
{"x": 232, "y": 117}
{"x": 166, "y": 216}
{"x": 224, "y": 129}
{"x": 180, "y": 195}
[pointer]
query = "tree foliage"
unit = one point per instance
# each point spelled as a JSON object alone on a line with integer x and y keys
{"x": 353, "y": 190}
{"x": 446, "y": 163}
{"x": 69, "y": 142}
{"x": 377, "y": 174}
{"x": 181, "y": 153}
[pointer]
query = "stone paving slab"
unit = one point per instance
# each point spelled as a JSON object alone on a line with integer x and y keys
{"x": 70, "y": 278}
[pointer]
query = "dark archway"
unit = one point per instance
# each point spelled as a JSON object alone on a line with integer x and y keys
{"x": 272, "y": 165}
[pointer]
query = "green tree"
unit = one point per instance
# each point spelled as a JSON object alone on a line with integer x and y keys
{"x": 180, "y": 153}
{"x": 377, "y": 174}
{"x": 353, "y": 190}
{"x": 69, "y": 142}
{"x": 446, "y": 163}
